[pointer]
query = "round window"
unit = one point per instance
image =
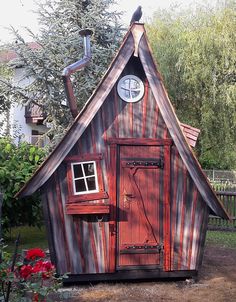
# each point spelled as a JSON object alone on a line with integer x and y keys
{"x": 130, "y": 88}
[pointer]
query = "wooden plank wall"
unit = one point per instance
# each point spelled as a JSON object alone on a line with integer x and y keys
{"x": 81, "y": 243}
{"x": 189, "y": 214}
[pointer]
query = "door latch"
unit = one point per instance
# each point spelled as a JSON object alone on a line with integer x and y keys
{"x": 127, "y": 197}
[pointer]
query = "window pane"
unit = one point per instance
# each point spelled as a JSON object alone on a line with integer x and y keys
{"x": 80, "y": 185}
{"x": 91, "y": 183}
{"x": 89, "y": 169}
{"x": 134, "y": 84}
{"x": 126, "y": 84}
{"x": 78, "y": 171}
{"x": 134, "y": 94}
{"x": 127, "y": 94}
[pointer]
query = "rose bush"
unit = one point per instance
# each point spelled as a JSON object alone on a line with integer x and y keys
{"x": 32, "y": 254}
{"x": 37, "y": 275}
{"x": 33, "y": 276}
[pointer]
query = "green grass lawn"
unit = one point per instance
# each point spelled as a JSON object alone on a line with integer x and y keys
{"x": 220, "y": 238}
{"x": 29, "y": 237}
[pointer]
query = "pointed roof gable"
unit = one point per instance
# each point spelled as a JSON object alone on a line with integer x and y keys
{"x": 135, "y": 42}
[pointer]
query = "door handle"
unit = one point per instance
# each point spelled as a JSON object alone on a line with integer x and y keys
{"x": 129, "y": 195}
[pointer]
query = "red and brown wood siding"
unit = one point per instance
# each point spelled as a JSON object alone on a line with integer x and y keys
{"x": 81, "y": 243}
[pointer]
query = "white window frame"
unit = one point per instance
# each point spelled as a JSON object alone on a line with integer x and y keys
{"x": 85, "y": 177}
{"x": 121, "y": 89}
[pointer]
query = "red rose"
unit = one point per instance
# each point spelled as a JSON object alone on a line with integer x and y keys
{"x": 44, "y": 267}
{"x": 48, "y": 266}
{"x": 38, "y": 267}
{"x": 25, "y": 271}
{"x": 48, "y": 269}
{"x": 35, "y": 253}
{"x": 36, "y": 298}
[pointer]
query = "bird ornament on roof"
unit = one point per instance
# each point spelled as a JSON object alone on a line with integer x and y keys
{"x": 136, "y": 15}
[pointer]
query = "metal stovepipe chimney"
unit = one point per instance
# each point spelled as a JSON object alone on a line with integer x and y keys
{"x": 85, "y": 33}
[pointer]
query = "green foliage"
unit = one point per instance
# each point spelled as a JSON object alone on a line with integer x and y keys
{"x": 197, "y": 58}
{"x": 17, "y": 164}
{"x": 6, "y": 74}
{"x": 60, "y": 45}
{"x": 5, "y": 274}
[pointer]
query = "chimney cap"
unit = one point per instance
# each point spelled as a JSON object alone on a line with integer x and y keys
{"x": 85, "y": 32}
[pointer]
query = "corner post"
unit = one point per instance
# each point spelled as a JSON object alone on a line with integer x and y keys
{"x": 113, "y": 203}
{"x": 166, "y": 214}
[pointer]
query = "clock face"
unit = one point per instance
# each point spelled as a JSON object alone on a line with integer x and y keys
{"x": 130, "y": 88}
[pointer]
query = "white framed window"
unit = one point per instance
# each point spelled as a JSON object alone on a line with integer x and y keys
{"x": 84, "y": 177}
{"x": 130, "y": 88}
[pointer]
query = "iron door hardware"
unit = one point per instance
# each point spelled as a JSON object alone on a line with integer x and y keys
{"x": 129, "y": 195}
{"x": 127, "y": 199}
{"x": 158, "y": 163}
{"x": 142, "y": 249}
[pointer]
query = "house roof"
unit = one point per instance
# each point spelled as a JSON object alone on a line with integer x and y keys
{"x": 135, "y": 42}
{"x": 8, "y": 55}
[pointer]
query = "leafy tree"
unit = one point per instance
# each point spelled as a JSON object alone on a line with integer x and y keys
{"x": 6, "y": 75}
{"x": 17, "y": 164}
{"x": 197, "y": 58}
{"x": 60, "y": 45}
{"x": 4, "y": 104}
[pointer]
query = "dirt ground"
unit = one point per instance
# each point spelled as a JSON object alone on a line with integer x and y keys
{"x": 216, "y": 282}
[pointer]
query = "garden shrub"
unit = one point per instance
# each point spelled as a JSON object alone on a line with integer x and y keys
{"x": 17, "y": 164}
{"x": 32, "y": 278}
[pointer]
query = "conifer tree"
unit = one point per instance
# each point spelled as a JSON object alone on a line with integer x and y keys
{"x": 6, "y": 74}
{"x": 60, "y": 45}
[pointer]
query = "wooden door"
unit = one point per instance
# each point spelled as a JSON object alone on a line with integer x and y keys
{"x": 141, "y": 200}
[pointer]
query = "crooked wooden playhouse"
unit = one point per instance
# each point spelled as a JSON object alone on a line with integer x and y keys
{"x": 123, "y": 195}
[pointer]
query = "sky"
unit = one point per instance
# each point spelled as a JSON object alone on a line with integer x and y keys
{"x": 18, "y": 13}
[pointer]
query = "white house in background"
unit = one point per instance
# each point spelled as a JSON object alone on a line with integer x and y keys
{"x": 26, "y": 121}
